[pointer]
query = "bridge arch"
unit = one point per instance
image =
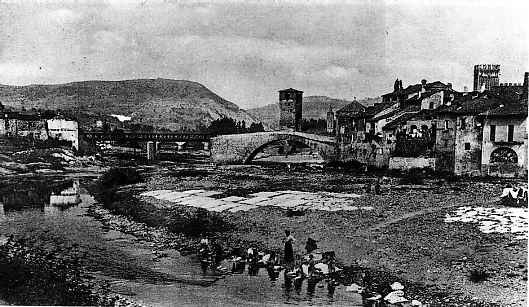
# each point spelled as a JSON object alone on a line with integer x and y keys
{"x": 242, "y": 148}
{"x": 259, "y": 149}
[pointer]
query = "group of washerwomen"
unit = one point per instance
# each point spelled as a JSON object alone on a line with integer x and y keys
{"x": 211, "y": 255}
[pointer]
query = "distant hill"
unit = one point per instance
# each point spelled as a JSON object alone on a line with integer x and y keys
{"x": 164, "y": 103}
{"x": 314, "y": 107}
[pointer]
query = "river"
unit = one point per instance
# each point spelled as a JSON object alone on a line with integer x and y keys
{"x": 53, "y": 211}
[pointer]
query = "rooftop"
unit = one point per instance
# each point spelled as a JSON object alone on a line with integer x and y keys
{"x": 473, "y": 106}
{"x": 290, "y": 90}
{"x": 353, "y": 107}
{"x": 510, "y": 109}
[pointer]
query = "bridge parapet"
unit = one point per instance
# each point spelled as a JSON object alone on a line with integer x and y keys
{"x": 146, "y": 136}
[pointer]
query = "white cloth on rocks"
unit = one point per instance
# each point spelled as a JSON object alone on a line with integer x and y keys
{"x": 397, "y": 286}
{"x": 395, "y": 297}
{"x": 324, "y": 268}
{"x": 354, "y": 288}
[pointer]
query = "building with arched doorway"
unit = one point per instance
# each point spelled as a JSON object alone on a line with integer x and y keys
{"x": 504, "y": 147}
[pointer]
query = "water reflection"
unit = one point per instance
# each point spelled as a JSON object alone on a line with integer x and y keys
{"x": 47, "y": 196}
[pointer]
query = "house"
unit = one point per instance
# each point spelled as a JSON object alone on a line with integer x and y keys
{"x": 39, "y": 126}
{"x": 63, "y": 129}
{"x": 23, "y": 124}
{"x": 349, "y": 121}
{"x": 504, "y": 148}
{"x": 404, "y": 95}
{"x": 459, "y": 133}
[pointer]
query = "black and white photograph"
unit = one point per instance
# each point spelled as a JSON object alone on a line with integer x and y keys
{"x": 356, "y": 153}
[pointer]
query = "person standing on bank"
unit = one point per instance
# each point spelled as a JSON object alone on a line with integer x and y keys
{"x": 289, "y": 250}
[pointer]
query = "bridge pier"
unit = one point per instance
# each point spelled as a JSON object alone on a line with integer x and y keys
{"x": 151, "y": 151}
{"x": 156, "y": 149}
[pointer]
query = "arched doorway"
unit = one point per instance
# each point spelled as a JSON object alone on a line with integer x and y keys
{"x": 503, "y": 155}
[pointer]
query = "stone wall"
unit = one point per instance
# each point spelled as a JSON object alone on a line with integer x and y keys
{"x": 372, "y": 153}
{"x": 432, "y": 102}
{"x": 444, "y": 148}
{"x": 406, "y": 163}
{"x": 467, "y": 154}
{"x": 35, "y": 129}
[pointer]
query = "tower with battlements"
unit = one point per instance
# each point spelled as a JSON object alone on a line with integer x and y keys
{"x": 486, "y": 76}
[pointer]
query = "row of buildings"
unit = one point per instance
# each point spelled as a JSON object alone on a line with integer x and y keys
{"x": 39, "y": 126}
{"x": 429, "y": 124}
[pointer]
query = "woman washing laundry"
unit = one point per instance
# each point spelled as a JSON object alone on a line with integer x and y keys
{"x": 289, "y": 250}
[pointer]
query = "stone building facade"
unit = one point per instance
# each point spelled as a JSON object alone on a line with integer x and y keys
{"x": 290, "y": 109}
{"x": 64, "y": 130}
{"x": 504, "y": 148}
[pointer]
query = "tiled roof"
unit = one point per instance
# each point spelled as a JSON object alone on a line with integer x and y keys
{"x": 377, "y": 107}
{"x": 510, "y": 109}
{"x": 466, "y": 105}
{"x": 383, "y": 116}
{"x": 291, "y": 90}
{"x": 353, "y": 107}
{"x": 415, "y": 88}
{"x": 398, "y": 121}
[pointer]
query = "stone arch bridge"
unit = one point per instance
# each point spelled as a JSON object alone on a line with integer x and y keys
{"x": 242, "y": 148}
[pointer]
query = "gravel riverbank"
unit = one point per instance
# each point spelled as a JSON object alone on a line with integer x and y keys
{"x": 404, "y": 238}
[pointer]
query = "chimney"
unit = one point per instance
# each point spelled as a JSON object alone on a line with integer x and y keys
{"x": 423, "y": 87}
{"x": 449, "y": 85}
{"x": 465, "y": 89}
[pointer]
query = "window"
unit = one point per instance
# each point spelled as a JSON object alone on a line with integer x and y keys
{"x": 492, "y": 133}
{"x": 431, "y": 105}
{"x": 463, "y": 123}
{"x": 467, "y": 146}
{"x": 446, "y": 124}
{"x": 510, "y": 133}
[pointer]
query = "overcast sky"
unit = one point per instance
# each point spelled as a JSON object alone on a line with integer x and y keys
{"x": 245, "y": 52}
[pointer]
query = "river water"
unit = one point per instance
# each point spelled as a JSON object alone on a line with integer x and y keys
{"x": 52, "y": 212}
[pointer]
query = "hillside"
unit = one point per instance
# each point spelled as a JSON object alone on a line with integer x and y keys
{"x": 314, "y": 107}
{"x": 172, "y": 104}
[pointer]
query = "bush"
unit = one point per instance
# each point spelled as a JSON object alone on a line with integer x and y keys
{"x": 478, "y": 275}
{"x": 119, "y": 176}
{"x": 196, "y": 222}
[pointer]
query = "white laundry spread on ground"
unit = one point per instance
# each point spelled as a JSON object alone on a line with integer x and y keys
{"x": 294, "y": 200}
{"x": 494, "y": 220}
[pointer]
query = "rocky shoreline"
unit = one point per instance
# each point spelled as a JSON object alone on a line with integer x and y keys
{"x": 160, "y": 239}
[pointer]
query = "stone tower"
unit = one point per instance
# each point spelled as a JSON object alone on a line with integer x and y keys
{"x": 525, "y": 93}
{"x": 330, "y": 120}
{"x": 486, "y": 76}
{"x": 290, "y": 103}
